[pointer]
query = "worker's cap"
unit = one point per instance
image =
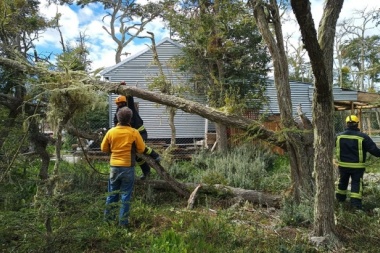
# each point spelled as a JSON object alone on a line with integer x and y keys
{"x": 120, "y": 99}
{"x": 352, "y": 119}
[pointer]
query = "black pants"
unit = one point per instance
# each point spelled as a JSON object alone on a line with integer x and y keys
{"x": 356, "y": 193}
{"x": 145, "y": 168}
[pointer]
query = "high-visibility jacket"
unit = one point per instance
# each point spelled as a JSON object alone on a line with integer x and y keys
{"x": 352, "y": 147}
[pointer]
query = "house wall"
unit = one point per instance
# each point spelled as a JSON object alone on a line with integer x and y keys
{"x": 138, "y": 71}
{"x": 301, "y": 94}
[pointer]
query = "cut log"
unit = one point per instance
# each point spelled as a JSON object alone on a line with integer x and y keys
{"x": 253, "y": 196}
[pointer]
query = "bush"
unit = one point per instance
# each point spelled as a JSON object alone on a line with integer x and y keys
{"x": 248, "y": 167}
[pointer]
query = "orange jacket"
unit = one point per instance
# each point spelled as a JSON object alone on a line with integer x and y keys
{"x": 122, "y": 142}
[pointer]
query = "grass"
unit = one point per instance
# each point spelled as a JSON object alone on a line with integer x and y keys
{"x": 160, "y": 221}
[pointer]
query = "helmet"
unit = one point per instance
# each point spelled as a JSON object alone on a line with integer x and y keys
{"x": 352, "y": 118}
{"x": 120, "y": 99}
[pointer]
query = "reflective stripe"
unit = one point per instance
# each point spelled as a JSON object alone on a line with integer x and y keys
{"x": 148, "y": 150}
{"x": 141, "y": 128}
{"x": 352, "y": 165}
{"x": 355, "y": 195}
{"x": 361, "y": 163}
{"x": 342, "y": 192}
{"x": 358, "y": 195}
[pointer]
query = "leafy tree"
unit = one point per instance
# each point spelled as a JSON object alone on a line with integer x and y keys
{"x": 344, "y": 79}
{"x": 357, "y": 47}
{"x": 299, "y": 69}
{"x": 74, "y": 58}
{"x": 20, "y": 26}
{"x": 222, "y": 50}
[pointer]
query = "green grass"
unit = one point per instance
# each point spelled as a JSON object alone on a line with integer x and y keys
{"x": 159, "y": 219}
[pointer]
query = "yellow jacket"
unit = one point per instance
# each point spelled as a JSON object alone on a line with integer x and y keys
{"x": 122, "y": 142}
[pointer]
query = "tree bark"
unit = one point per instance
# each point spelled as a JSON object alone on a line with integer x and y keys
{"x": 40, "y": 143}
{"x": 298, "y": 141}
{"x": 177, "y": 186}
{"x": 322, "y": 107}
{"x": 221, "y": 137}
{"x": 252, "y": 128}
{"x": 255, "y": 197}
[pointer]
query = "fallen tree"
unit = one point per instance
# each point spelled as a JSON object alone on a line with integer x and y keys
{"x": 177, "y": 186}
{"x": 255, "y": 197}
{"x": 251, "y": 127}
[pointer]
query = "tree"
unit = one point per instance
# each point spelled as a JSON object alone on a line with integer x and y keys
{"x": 222, "y": 50}
{"x": 299, "y": 69}
{"x": 344, "y": 78}
{"x": 355, "y": 50}
{"x": 127, "y": 19}
{"x": 322, "y": 101}
{"x": 323, "y": 44}
{"x": 362, "y": 56}
{"x": 297, "y": 141}
{"x": 20, "y": 27}
{"x": 162, "y": 83}
{"x": 252, "y": 127}
{"x": 298, "y": 137}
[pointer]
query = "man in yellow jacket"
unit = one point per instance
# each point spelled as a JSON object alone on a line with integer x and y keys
{"x": 137, "y": 123}
{"x": 122, "y": 142}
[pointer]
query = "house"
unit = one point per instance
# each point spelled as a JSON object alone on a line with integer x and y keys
{"x": 138, "y": 70}
{"x": 302, "y": 94}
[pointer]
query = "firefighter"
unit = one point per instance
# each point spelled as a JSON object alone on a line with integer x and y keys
{"x": 137, "y": 123}
{"x": 351, "y": 150}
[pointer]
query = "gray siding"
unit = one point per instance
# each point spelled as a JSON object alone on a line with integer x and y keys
{"x": 345, "y": 95}
{"x": 137, "y": 71}
{"x": 301, "y": 94}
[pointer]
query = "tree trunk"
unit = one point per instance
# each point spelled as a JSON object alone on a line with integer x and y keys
{"x": 322, "y": 107}
{"x": 252, "y": 128}
{"x": 255, "y": 197}
{"x": 40, "y": 142}
{"x": 297, "y": 141}
{"x": 221, "y": 137}
{"x": 177, "y": 186}
{"x": 299, "y": 145}
{"x": 172, "y": 112}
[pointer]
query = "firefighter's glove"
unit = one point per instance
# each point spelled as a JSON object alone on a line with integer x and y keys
{"x": 149, "y": 151}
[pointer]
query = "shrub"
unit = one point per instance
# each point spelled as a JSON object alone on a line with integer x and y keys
{"x": 248, "y": 166}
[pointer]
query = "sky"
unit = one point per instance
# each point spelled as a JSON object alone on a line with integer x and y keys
{"x": 89, "y": 20}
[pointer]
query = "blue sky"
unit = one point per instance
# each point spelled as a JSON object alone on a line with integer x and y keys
{"x": 102, "y": 47}
{"x": 89, "y": 20}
